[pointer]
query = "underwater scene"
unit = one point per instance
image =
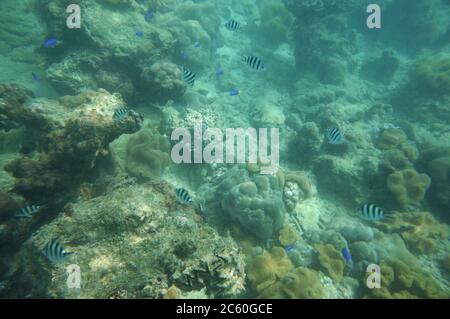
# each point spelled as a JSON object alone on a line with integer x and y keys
{"x": 221, "y": 149}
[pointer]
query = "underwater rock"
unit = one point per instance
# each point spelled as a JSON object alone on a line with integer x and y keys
{"x": 147, "y": 154}
{"x": 123, "y": 242}
{"x": 420, "y": 230}
{"x": 254, "y": 202}
{"x": 408, "y": 187}
{"x": 71, "y": 142}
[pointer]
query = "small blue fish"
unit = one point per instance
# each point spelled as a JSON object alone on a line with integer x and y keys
{"x": 183, "y": 196}
{"x": 139, "y": 34}
{"x": 346, "y": 254}
{"x": 220, "y": 72}
{"x": 50, "y": 43}
{"x": 149, "y": 16}
{"x": 234, "y": 92}
{"x": 35, "y": 77}
{"x": 289, "y": 248}
{"x": 197, "y": 44}
{"x": 184, "y": 56}
{"x": 55, "y": 252}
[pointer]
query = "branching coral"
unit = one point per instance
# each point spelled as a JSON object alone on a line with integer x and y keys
{"x": 408, "y": 187}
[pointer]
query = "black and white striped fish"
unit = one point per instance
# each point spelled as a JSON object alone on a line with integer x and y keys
{"x": 188, "y": 77}
{"x": 232, "y": 25}
{"x": 183, "y": 196}
{"x": 372, "y": 212}
{"x": 254, "y": 62}
{"x": 55, "y": 252}
{"x": 335, "y": 136}
{"x": 28, "y": 211}
{"x": 120, "y": 114}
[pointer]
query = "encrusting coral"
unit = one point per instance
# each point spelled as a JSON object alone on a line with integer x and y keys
{"x": 134, "y": 241}
{"x": 330, "y": 261}
{"x": 391, "y": 138}
{"x": 420, "y": 230}
{"x": 402, "y": 281}
{"x": 408, "y": 187}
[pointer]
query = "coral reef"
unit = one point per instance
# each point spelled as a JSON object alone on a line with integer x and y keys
{"x": 388, "y": 61}
{"x": 297, "y": 187}
{"x": 408, "y": 187}
{"x": 420, "y": 230}
{"x": 273, "y": 29}
{"x": 147, "y": 154}
{"x": 330, "y": 261}
{"x": 402, "y": 281}
{"x": 163, "y": 81}
{"x": 287, "y": 235}
{"x": 391, "y": 138}
{"x": 254, "y": 202}
{"x": 71, "y": 141}
{"x": 134, "y": 241}
{"x": 436, "y": 161}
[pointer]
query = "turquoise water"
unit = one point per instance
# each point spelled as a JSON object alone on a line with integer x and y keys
{"x": 224, "y": 149}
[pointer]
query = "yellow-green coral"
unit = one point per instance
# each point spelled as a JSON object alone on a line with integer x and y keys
{"x": 331, "y": 261}
{"x": 287, "y": 235}
{"x": 402, "y": 281}
{"x": 408, "y": 187}
{"x": 420, "y": 230}
{"x": 431, "y": 76}
{"x": 264, "y": 270}
{"x": 272, "y": 275}
{"x": 391, "y": 138}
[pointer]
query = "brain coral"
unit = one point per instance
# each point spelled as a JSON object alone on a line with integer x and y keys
{"x": 147, "y": 154}
{"x": 164, "y": 81}
{"x": 254, "y": 202}
{"x": 408, "y": 187}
